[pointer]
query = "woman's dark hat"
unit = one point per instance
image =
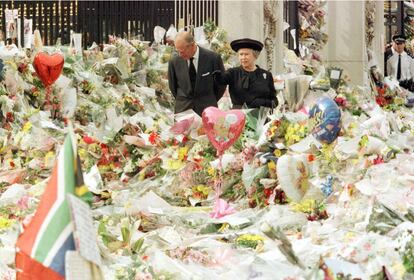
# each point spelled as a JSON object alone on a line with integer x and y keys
{"x": 246, "y": 43}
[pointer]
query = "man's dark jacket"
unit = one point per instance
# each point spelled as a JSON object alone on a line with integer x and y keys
{"x": 206, "y": 92}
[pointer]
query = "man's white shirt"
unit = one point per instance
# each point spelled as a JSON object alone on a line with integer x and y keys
{"x": 195, "y": 59}
{"x": 407, "y": 66}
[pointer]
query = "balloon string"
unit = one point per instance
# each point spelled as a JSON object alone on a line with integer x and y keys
{"x": 222, "y": 208}
{"x": 219, "y": 180}
{"x": 49, "y": 103}
{"x": 48, "y": 96}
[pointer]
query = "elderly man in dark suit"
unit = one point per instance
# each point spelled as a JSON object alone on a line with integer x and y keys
{"x": 190, "y": 75}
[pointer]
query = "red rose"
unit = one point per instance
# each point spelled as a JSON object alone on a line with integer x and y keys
{"x": 153, "y": 138}
{"x": 381, "y": 101}
{"x": 22, "y": 67}
{"x": 252, "y": 203}
{"x": 88, "y": 140}
{"x": 340, "y": 101}
{"x": 311, "y": 157}
{"x": 9, "y": 117}
{"x": 268, "y": 192}
{"x": 378, "y": 160}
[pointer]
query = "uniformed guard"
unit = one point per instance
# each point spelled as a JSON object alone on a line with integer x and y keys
{"x": 399, "y": 64}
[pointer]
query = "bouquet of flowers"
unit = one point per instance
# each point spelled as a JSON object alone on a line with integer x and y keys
{"x": 312, "y": 20}
{"x": 315, "y": 210}
{"x": 217, "y": 37}
{"x": 253, "y": 241}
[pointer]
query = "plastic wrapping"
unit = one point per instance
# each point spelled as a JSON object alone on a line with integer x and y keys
{"x": 293, "y": 173}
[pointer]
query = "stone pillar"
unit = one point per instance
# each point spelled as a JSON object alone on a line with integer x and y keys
{"x": 273, "y": 34}
{"x": 346, "y": 38}
{"x": 242, "y": 19}
{"x": 379, "y": 39}
{"x": 279, "y": 46}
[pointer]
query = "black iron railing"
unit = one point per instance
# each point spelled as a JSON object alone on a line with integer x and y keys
{"x": 98, "y": 19}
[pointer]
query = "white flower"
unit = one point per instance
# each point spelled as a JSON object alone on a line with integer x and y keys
{"x": 144, "y": 54}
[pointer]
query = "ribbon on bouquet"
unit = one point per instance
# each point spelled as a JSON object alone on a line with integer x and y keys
{"x": 221, "y": 207}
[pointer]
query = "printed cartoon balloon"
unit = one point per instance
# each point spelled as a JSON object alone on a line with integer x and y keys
{"x": 223, "y": 128}
{"x": 327, "y": 117}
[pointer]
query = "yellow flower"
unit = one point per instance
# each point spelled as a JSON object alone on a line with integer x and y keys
{"x": 141, "y": 176}
{"x": 251, "y": 237}
{"x": 277, "y": 153}
{"x": 5, "y": 223}
{"x": 305, "y": 206}
{"x": 327, "y": 151}
{"x": 398, "y": 269}
{"x": 349, "y": 236}
{"x": 12, "y": 64}
{"x": 224, "y": 227}
{"x": 271, "y": 165}
{"x": 201, "y": 189}
{"x": 294, "y": 133}
{"x": 105, "y": 168}
{"x": 82, "y": 153}
{"x": 250, "y": 240}
{"x": 27, "y": 126}
{"x": 94, "y": 147}
{"x": 182, "y": 153}
{"x": 211, "y": 171}
{"x": 174, "y": 164}
{"x": 272, "y": 131}
{"x": 399, "y": 101}
{"x": 49, "y": 158}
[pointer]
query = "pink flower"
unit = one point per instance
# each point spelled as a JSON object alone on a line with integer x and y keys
{"x": 321, "y": 13}
{"x": 23, "y": 202}
{"x": 367, "y": 246}
{"x": 316, "y": 57}
{"x": 248, "y": 153}
{"x": 143, "y": 276}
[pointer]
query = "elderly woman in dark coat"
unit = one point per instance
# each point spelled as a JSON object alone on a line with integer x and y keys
{"x": 248, "y": 84}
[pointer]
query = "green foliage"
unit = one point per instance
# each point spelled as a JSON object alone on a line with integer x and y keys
{"x": 408, "y": 257}
{"x": 209, "y": 26}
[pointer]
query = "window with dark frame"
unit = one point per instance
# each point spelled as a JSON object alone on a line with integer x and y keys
{"x": 393, "y": 19}
{"x": 290, "y": 15}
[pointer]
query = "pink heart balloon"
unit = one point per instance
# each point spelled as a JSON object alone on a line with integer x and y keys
{"x": 223, "y": 128}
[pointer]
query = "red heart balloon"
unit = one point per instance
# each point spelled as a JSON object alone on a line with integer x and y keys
{"x": 223, "y": 128}
{"x": 48, "y": 67}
